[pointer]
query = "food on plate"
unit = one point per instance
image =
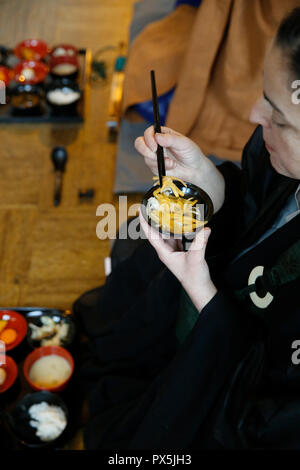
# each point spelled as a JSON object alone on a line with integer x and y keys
{"x": 50, "y": 333}
{"x": 27, "y": 53}
{"x": 30, "y": 71}
{"x": 31, "y": 49}
{"x": 63, "y": 51}
{"x": 25, "y": 100}
{"x": 27, "y": 74}
{"x": 3, "y": 375}
{"x": 49, "y": 420}
{"x": 50, "y": 371}
{"x": 63, "y": 96}
{"x": 64, "y": 69}
{"x": 5, "y": 74}
{"x": 171, "y": 211}
{"x": 3, "y": 324}
{"x": 8, "y": 335}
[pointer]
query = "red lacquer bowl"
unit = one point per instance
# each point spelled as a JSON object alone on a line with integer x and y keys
{"x": 5, "y": 74}
{"x": 63, "y": 66}
{"x": 31, "y": 49}
{"x": 46, "y": 351}
{"x": 38, "y": 73}
{"x": 18, "y": 323}
{"x": 11, "y": 369}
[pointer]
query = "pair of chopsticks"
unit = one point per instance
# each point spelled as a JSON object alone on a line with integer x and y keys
{"x": 157, "y": 128}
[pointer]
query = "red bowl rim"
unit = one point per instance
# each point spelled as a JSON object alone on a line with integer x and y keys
{"x": 63, "y": 60}
{"x": 20, "y": 337}
{"x": 38, "y": 354}
{"x": 12, "y": 367}
{"x": 27, "y": 43}
{"x": 63, "y": 46}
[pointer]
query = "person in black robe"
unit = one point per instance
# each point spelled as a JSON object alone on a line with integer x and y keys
{"x": 198, "y": 349}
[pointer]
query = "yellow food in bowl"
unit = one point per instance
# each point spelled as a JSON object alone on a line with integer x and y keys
{"x": 8, "y": 335}
{"x": 3, "y": 324}
{"x": 3, "y": 375}
{"x": 171, "y": 210}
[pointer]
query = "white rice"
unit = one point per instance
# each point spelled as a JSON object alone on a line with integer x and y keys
{"x": 63, "y": 96}
{"x": 49, "y": 420}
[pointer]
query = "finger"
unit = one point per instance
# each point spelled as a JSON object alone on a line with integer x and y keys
{"x": 168, "y": 130}
{"x": 155, "y": 238}
{"x": 170, "y": 164}
{"x": 143, "y": 149}
{"x": 152, "y": 164}
{"x": 200, "y": 241}
{"x": 149, "y": 138}
{"x": 175, "y": 141}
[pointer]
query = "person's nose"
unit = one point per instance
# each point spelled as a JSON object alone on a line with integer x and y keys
{"x": 261, "y": 113}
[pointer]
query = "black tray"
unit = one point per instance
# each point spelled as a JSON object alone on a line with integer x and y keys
{"x": 48, "y": 115}
{"x": 9, "y": 399}
{"x": 25, "y": 310}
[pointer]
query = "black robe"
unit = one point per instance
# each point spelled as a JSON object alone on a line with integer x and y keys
{"x": 232, "y": 383}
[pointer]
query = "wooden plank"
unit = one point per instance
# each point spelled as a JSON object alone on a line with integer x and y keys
{"x": 67, "y": 258}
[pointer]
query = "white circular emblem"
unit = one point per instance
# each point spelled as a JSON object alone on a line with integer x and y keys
{"x": 260, "y": 302}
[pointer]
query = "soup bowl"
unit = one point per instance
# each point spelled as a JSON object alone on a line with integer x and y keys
{"x": 39, "y": 353}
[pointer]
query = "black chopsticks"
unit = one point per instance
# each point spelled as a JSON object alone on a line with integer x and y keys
{"x": 157, "y": 128}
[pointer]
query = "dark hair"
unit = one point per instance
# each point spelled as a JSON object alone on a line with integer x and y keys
{"x": 288, "y": 38}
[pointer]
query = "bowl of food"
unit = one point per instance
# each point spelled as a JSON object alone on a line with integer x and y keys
{"x": 30, "y": 72}
{"x": 8, "y": 373}
{"x": 31, "y": 49}
{"x": 64, "y": 66}
{"x": 49, "y": 329}
{"x": 5, "y": 75}
{"x": 176, "y": 208}
{"x": 63, "y": 94}
{"x": 13, "y": 328}
{"x": 48, "y": 368}
{"x": 26, "y": 99}
{"x": 39, "y": 419}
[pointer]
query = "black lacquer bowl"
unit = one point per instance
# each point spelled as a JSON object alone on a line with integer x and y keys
{"x": 63, "y": 96}
{"x": 35, "y": 317}
{"x": 204, "y": 203}
{"x": 19, "y": 419}
{"x": 26, "y": 99}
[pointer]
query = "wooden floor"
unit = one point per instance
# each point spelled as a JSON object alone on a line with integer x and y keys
{"x": 50, "y": 255}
